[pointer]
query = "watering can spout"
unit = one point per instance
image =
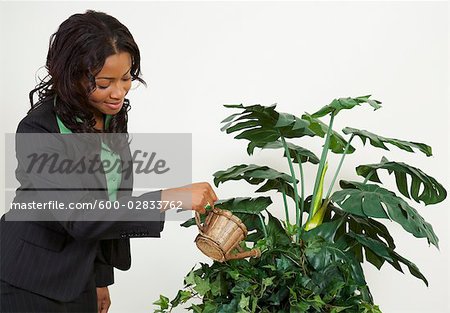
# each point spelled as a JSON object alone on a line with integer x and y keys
{"x": 254, "y": 253}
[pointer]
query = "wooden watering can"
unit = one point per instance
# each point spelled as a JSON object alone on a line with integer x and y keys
{"x": 221, "y": 233}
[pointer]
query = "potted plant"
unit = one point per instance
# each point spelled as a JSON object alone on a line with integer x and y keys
{"x": 310, "y": 262}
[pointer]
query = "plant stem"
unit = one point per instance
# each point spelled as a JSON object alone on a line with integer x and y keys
{"x": 323, "y": 159}
{"x": 368, "y": 177}
{"x": 339, "y": 166}
{"x": 263, "y": 225}
{"x": 294, "y": 180}
{"x": 302, "y": 197}
{"x": 286, "y": 209}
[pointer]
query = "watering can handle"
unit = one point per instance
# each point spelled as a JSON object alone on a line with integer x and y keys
{"x": 198, "y": 220}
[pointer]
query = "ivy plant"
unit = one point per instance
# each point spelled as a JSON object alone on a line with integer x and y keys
{"x": 311, "y": 262}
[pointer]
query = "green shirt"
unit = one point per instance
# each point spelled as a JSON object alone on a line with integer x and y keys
{"x": 107, "y": 157}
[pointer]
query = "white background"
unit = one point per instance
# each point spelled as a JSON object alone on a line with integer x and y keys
{"x": 197, "y": 56}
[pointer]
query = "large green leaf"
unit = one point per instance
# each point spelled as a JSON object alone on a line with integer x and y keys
{"x": 295, "y": 151}
{"x": 255, "y": 175}
{"x": 254, "y": 227}
{"x": 369, "y": 228}
{"x": 263, "y": 124}
{"x": 338, "y": 225}
{"x": 379, "y": 141}
{"x": 244, "y": 205}
{"x": 346, "y": 103}
{"x": 287, "y": 119}
{"x": 423, "y": 187}
{"x": 276, "y": 234}
{"x": 362, "y": 225}
{"x": 337, "y": 142}
{"x": 388, "y": 254}
{"x": 325, "y": 230}
{"x": 321, "y": 254}
{"x": 278, "y": 185}
{"x": 370, "y": 200}
{"x": 343, "y": 224}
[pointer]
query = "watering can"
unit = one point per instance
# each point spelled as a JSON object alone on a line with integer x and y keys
{"x": 220, "y": 234}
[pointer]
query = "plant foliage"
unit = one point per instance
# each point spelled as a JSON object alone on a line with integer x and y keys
{"x": 312, "y": 264}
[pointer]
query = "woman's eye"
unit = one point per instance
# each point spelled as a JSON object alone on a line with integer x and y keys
{"x": 102, "y": 87}
{"x": 125, "y": 79}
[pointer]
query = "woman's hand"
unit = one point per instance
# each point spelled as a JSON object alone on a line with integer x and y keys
{"x": 193, "y": 197}
{"x": 103, "y": 299}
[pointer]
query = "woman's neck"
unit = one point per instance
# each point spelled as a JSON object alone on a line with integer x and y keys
{"x": 99, "y": 121}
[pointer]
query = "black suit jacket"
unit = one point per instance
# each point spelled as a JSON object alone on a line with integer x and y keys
{"x": 58, "y": 258}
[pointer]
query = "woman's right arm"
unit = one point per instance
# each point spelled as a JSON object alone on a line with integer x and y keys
{"x": 70, "y": 187}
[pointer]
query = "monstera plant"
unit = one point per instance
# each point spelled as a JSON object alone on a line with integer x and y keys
{"x": 311, "y": 261}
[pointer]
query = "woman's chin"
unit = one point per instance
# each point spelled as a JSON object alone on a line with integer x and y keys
{"x": 112, "y": 112}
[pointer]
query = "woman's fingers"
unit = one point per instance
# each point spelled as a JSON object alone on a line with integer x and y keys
{"x": 202, "y": 195}
{"x": 194, "y": 197}
{"x": 211, "y": 192}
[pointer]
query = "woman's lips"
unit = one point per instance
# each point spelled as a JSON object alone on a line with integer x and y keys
{"x": 114, "y": 105}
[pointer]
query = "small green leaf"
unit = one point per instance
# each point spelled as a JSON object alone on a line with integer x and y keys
{"x": 231, "y": 307}
{"x": 244, "y": 302}
{"x": 190, "y": 278}
{"x": 267, "y": 282}
{"x": 234, "y": 274}
{"x": 181, "y": 297}
{"x": 196, "y": 308}
{"x": 163, "y": 302}
{"x": 218, "y": 287}
{"x": 241, "y": 286}
{"x": 317, "y": 302}
{"x": 283, "y": 263}
{"x": 202, "y": 286}
{"x": 338, "y": 309}
{"x": 210, "y": 307}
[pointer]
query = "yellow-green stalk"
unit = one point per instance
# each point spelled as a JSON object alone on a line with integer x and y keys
{"x": 319, "y": 210}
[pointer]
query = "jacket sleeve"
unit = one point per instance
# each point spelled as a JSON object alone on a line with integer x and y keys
{"x": 104, "y": 275}
{"x": 69, "y": 188}
{"x": 104, "y": 272}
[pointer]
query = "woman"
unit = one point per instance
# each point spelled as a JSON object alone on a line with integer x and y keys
{"x": 66, "y": 265}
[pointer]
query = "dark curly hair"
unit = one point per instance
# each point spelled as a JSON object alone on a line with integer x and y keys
{"x": 77, "y": 52}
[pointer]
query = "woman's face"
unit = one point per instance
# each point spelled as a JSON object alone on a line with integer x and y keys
{"x": 112, "y": 84}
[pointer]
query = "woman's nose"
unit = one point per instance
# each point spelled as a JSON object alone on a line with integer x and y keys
{"x": 118, "y": 92}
